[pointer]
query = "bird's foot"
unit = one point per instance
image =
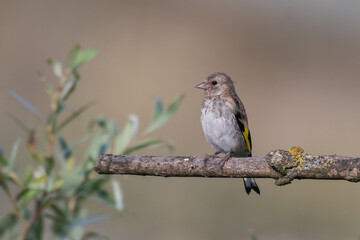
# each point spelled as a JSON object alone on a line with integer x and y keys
{"x": 224, "y": 160}
{"x": 208, "y": 156}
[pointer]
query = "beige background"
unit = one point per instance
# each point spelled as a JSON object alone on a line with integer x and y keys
{"x": 296, "y": 65}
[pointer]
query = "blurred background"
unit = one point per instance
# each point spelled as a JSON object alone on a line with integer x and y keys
{"x": 296, "y": 65}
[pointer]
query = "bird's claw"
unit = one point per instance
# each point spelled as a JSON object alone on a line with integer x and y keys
{"x": 224, "y": 160}
{"x": 209, "y": 156}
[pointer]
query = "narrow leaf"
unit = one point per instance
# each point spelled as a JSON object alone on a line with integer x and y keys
{"x": 13, "y": 233}
{"x": 7, "y": 222}
{"x": 98, "y": 145}
{"x": 56, "y": 66}
{"x": 59, "y": 213}
{"x": 94, "y": 235}
{"x": 49, "y": 164}
{"x": 73, "y": 116}
{"x": 27, "y": 197}
{"x": 68, "y": 88}
{"x": 13, "y": 156}
{"x": 21, "y": 194}
{"x": 36, "y": 230}
{"x": 98, "y": 121}
{"x": 119, "y": 201}
{"x": 3, "y": 184}
{"x": 16, "y": 179}
{"x": 165, "y": 115}
{"x": 82, "y": 57}
{"x": 26, "y": 104}
{"x": 158, "y": 109}
{"x": 122, "y": 140}
{"x": 253, "y": 235}
{"x": 104, "y": 196}
{"x": 28, "y": 175}
{"x": 65, "y": 149}
{"x": 84, "y": 221}
{"x": 2, "y": 158}
{"x": 72, "y": 180}
{"x": 74, "y": 52}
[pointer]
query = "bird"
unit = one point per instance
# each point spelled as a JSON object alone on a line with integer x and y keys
{"x": 224, "y": 122}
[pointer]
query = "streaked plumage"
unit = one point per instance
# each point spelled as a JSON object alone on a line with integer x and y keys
{"x": 224, "y": 121}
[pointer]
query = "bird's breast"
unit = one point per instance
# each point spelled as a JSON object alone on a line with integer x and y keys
{"x": 220, "y": 127}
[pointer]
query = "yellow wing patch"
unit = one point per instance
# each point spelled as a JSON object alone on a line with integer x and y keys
{"x": 245, "y": 132}
{"x": 247, "y": 138}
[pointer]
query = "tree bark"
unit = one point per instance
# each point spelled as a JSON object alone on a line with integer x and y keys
{"x": 284, "y": 166}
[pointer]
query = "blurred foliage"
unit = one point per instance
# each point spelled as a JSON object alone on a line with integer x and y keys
{"x": 253, "y": 235}
{"x": 54, "y": 188}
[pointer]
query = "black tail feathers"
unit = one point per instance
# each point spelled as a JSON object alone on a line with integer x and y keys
{"x": 250, "y": 184}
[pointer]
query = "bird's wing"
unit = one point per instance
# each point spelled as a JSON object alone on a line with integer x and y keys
{"x": 244, "y": 130}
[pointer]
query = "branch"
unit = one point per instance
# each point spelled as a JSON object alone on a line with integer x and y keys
{"x": 284, "y": 166}
{"x": 33, "y": 217}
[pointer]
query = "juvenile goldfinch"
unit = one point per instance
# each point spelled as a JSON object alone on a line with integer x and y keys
{"x": 224, "y": 121}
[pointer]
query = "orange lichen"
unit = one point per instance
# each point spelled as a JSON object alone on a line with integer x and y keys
{"x": 302, "y": 160}
{"x": 297, "y": 154}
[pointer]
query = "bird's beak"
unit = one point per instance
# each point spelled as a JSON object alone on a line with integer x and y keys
{"x": 202, "y": 85}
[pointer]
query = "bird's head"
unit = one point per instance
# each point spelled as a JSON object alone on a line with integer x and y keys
{"x": 217, "y": 84}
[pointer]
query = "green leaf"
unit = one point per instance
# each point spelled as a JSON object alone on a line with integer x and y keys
{"x": 59, "y": 221}
{"x": 56, "y": 66}
{"x": 98, "y": 145}
{"x": 28, "y": 175}
{"x": 36, "y": 230}
{"x": 60, "y": 215}
{"x": 3, "y": 183}
{"x": 104, "y": 197}
{"x": 73, "y": 116}
{"x": 122, "y": 140}
{"x": 15, "y": 179}
{"x": 21, "y": 194}
{"x": 13, "y": 233}
{"x": 108, "y": 126}
{"x": 65, "y": 149}
{"x": 49, "y": 164}
{"x": 158, "y": 109}
{"x": 18, "y": 122}
{"x": 68, "y": 88}
{"x": 13, "y": 156}
{"x": 8, "y": 221}
{"x": 253, "y": 235}
{"x": 85, "y": 221}
{"x": 27, "y": 197}
{"x": 3, "y": 161}
{"x": 94, "y": 235}
{"x": 27, "y": 105}
{"x": 164, "y": 116}
{"x": 92, "y": 185}
{"x": 49, "y": 199}
{"x": 119, "y": 201}
{"x": 74, "y": 52}
{"x": 80, "y": 57}
{"x": 72, "y": 181}
{"x": 38, "y": 181}
{"x": 147, "y": 143}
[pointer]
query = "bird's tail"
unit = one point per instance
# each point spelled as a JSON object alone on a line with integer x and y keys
{"x": 250, "y": 184}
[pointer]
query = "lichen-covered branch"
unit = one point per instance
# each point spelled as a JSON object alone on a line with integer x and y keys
{"x": 284, "y": 166}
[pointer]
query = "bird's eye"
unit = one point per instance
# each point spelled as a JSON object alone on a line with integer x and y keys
{"x": 214, "y": 82}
